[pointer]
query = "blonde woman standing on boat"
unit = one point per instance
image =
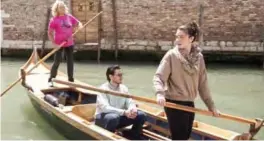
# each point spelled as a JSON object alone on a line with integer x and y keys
{"x": 182, "y": 75}
{"x": 61, "y": 28}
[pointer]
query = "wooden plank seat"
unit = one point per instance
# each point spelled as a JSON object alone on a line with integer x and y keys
{"x": 85, "y": 111}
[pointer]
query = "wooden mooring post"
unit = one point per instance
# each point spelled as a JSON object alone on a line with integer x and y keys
{"x": 45, "y": 35}
{"x": 201, "y": 16}
{"x": 262, "y": 42}
{"x": 263, "y": 54}
{"x": 115, "y": 28}
{"x": 99, "y": 32}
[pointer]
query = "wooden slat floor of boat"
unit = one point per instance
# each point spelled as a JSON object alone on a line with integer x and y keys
{"x": 156, "y": 136}
{"x": 39, "y": 69}
{"x": 146, "y": 133}
{"x": 38, "y": 78}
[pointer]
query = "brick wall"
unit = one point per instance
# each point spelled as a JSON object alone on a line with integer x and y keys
{"x": 151, "y": 20}
{"x": 234, "y": 20}
{"x": 151, "y": 24}
{"x": 25, "y": 21}
{"x": 23, "y": 14}
{"x": 227, "y": 25}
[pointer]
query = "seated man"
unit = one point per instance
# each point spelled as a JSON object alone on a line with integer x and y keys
{"x": 113, "y": 112}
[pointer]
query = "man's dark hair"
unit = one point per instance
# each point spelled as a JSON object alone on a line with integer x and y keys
{"x": 111, "y": 71}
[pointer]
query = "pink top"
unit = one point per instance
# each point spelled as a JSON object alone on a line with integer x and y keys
{"x": 63, "y": 29}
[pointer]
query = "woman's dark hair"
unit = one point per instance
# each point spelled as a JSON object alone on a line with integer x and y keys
{"x": 192, "y": 29}
{"x": 111, "y": 71}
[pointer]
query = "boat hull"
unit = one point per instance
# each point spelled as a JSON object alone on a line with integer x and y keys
{"x": 76, "y": 124}
{"x": 73, "y": 133}
{"x": 64, "y": 128}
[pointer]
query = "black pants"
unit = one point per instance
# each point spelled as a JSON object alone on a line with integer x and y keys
{"x": 180, "y": 122}
{"x": 57, "y": 59}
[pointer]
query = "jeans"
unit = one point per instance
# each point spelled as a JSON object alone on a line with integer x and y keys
{"x": 113, "y": 121}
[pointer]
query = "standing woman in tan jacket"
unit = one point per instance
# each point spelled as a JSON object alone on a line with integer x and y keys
{"x": 180, "y": 77}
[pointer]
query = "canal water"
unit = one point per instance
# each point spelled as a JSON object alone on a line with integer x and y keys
{"x": 236, "y": 90}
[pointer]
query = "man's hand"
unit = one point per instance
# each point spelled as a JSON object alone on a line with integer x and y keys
{"x": 133, "y": 113}
{"x": 127, "y": 113}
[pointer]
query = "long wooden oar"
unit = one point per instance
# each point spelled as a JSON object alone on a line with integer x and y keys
{"x": 49, "y": 54}
{"x": 168, "y": 104}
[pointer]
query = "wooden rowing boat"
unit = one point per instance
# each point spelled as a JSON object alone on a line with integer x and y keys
{"x": 74, "y": 117}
